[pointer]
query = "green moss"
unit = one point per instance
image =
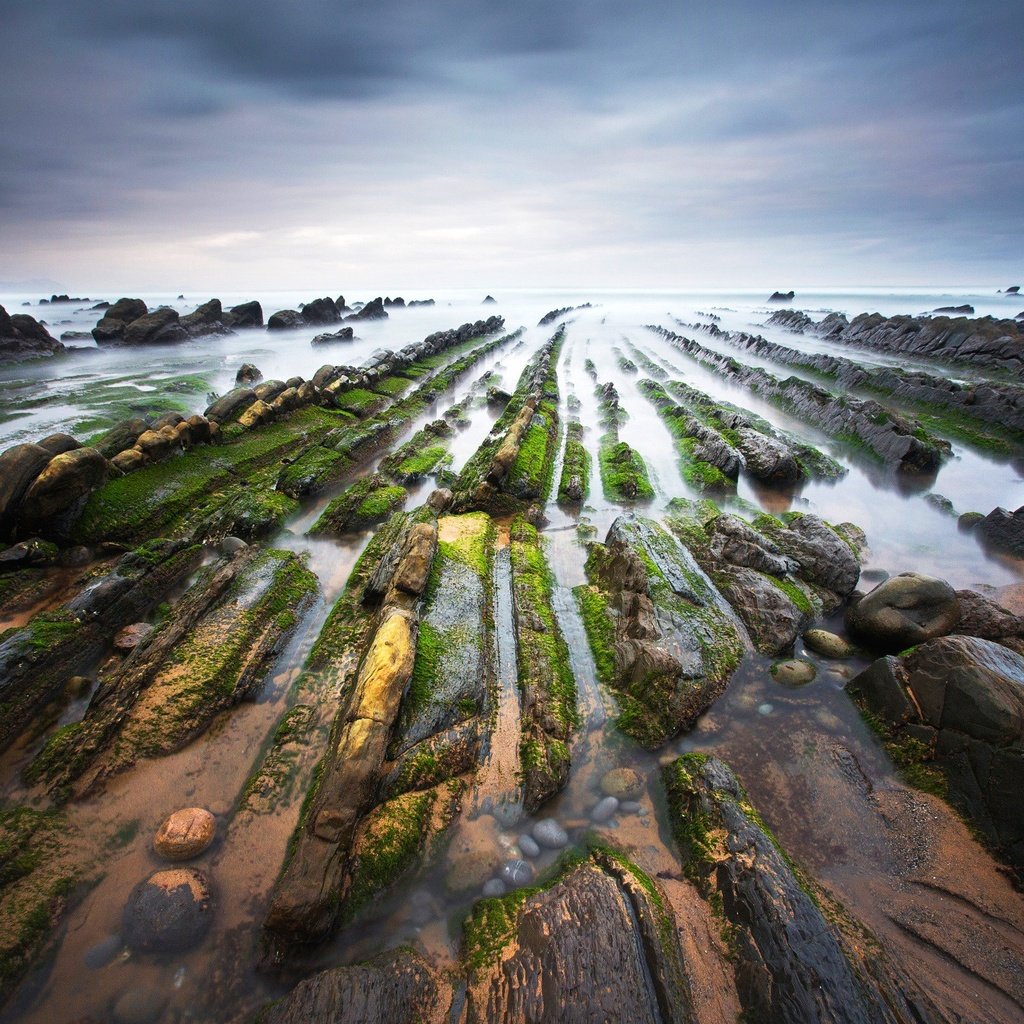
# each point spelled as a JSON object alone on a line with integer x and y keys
{"x": 474, "y": 545}
{"x": 422, "y": 464}
{"x": 392, "y": 836}
{"x": 912, "y": 758}
{"x": 392, "y": 386}
{"x": 575, "y": 466}
{"x": 50, "y": 629}
{"x": 600, "y": 627}
{"x": 491, "y": 927}
{"x": 623, "y": 471}
{"x": 381, "y": 503}
{"x": 360, "y": 402}
{"x": 793, "y": 591}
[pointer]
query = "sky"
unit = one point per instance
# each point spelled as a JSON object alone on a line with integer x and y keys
{"x": 207, "y": 144}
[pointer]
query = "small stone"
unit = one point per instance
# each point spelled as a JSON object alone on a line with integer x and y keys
{"x": 229, "y": 545}
{"x": 131, "y": 636}
{"x": 604, "y": 810}
{"x": 827, "y": 644}
{"x": 624, "y": 783}
{"x": 494, "y": 887}
{"x": 517, "y": 873}
{"x": 795, "y": 672}
{"x": 168, "y": 912}
{"x": 765, "y": 709}
{"x": 77, "y": 686}
{"x": 103, "y": 952}
{"x": 630, "y": 807}
{"x": 469, "y": 871}
{"x": 185, "y": 834}
{"x": 528, "y": 846}
{"x": 139, "y": 1006}
{"x": 549, "y": 833}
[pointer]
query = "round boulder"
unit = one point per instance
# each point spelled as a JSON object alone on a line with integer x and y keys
{"x": 185, "y": 834}
{"x": 795, "y": 672}
{"x": 827, "y": 644}
{"x": 903, "y": 611}
{"x": 624, "y": 783}
{"x": 550, "y": 834}
{"x": 168, "y": 912}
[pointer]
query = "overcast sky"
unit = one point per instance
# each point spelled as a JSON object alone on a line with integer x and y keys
{"x": 398, "y": 144}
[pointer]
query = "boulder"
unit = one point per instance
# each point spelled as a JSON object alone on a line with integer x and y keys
{"x": 206, "y": 319}
{"x": 962, "y": 700}
{"x": 120, "y": 437}
{"x": 22, "y": 336}
{"x": 116, "y": 318}
{"x": 285, "y": 319}
{"x": 168, "y": 912}
{"x": 827, "y": 644}
{"x": 1003, "y": 531}
{"x": 65, "y": 481}
{"x": 19, "y": 467}
{"x": 321, "y": 311}
{"x": 185, "y": 834}
{"x": 794, "y": 672}
{"x": 231, "y": 405}
{"x": 58, "y": 444}
{"x": 373, "y": 310}
{"x": 246, "y": 314}
{"x": 27, "y": 553}
{"x": 157, "y": 328}
{"x": 904, "y": 610}
{"x": 345, "y": 334}
{"x": 782, "y": 296}
{"x": 771, "y": 616}
{"x": 623, "y": 783}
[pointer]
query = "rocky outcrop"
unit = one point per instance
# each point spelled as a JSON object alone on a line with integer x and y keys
{"x": 397, "y": 987}
{"x": 315, "y": 880}
{"x": 112, "y": 325}
{"x": 794, "y": 961}
{"x": 898, "y": 441}
{"x": 982, "y": 342}
{"x": 245, "y": 314}
{"x": 248, "y": 373}
{"x": 663, "y": 636}
{"x": 321, "y": 311}
{"x": 157, "y": 328}
{"x": 902, "y": 611}
{"x": 559, "y": 314}
{"x": 373, "y": 310}
{"x": 1003, "y": 531}
{"x": 778, "y": 576}
{"x": 957, "y": 703}
{"x": 987, "y": 403}
{"x": 345, "y": 334}
{"x": 57, "y": 494}
{"x": 782, "y": 296}
{"x": 24, "y": 337}
{"x": 37, "y": 660}
{"x": 285, "y": 320}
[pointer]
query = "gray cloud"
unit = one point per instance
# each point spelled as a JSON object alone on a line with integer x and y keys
{"x": 484, "y": 138}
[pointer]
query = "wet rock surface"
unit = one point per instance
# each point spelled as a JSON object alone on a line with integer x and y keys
{"x": 169, "y": 912}
{"x": 904, "y": 610}
{"x": 959, "y": 701}
{"x": 185, "y": 834}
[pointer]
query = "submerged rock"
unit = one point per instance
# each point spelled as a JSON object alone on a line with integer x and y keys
{"x": 185, "y": 834}
{"x": 624, "y": 783}
{"x": 795, "y": 672}
{"x": 550, "y": 834}
{"x": 904, "y": 610}
{"x": 169, "y": 912}
{"x": 827, "y": 644}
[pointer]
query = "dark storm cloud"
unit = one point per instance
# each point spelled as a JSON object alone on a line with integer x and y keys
{"x": 592, "y": 122}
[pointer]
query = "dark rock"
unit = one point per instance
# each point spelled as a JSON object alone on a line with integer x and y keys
{"x": 321, "y": 311}
{"x": 157, "y": 328}
{"x": 955, "y": 309}
{"x": 345, "y": 334}
{"x": 27, "y": 553}
{"x": 396, "y": 987}
{"x": 246, "y": 314}
{"x": 782, "y": 296}
{"x": 120, "y": 437}
{"x": 231, "y": 405}
{"x": 497, "y": 397}
{"x": 99, "y": 306}
{"x": 984, "y": 618}
{"x": 1013, "y": 289}
{"x": 67, "y": 480}
{"x": 76, "y": 336}
{"x": 968, "y": 693}
{"x": 248, "y": 374}
{"x": 285, "y": 319}
{"x": 772, "y": 619}
{"x": 1003, "y": 531}
{"x": 793, "y": 965}
{"x": 24, "y": 337}
{"x": 206, "y": 319}
{"x": 19, "y": 467}
{"x": 58, "y": 444}
{"x": 115, "y": 320}
{"x": 488, "y": 300}
{"x": 904, "y": 610}
{"x": 373, "y": 310}
{"x": 169, "y": 912}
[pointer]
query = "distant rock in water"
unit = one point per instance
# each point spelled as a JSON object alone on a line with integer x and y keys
{"x": 373, "y": 310}
{"x": 55, "y": 299}
{"x": 488, "y": 299}
{"x": 782, "y": 296}
{"x": 24, "y": 337}
{"x": 248, "y": 373}
{"x": 420, "y": 302}
{"x": 321, "y": 311}
{"x": 247, "y": 314}
{"x": 285, "y": 320}
{"x": 557, "y": 314}
{"x": 1012, "y": 290}
{"x": 965, "y": 309}
{"x": 397, "y": 302}
{"x": 1003, "y": 531}
{"x": 344, "y": 334}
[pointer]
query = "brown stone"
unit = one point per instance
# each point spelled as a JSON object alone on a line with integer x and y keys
{"x": 131, "y": 636}
{"x": 185, "y": 834}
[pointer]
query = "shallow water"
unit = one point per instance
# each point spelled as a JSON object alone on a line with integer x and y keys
{"x": 746, "y": 726}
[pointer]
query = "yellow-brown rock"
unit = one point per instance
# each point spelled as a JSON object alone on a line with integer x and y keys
{"x": 185, "y": 834}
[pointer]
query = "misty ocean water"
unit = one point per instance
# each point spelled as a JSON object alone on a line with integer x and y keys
{"x": 88, "y": 389}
